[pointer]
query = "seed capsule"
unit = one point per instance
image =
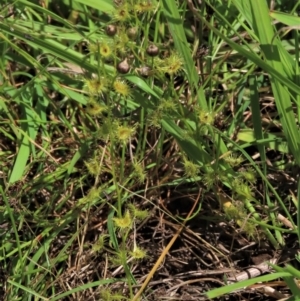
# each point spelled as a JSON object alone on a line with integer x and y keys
{"x": 132, "y": 33}
{"x": 152, "y": 50}
{"x": 111, "y": 30}
{"x": 145, "y": 71}
{"x": 123, "y": 67}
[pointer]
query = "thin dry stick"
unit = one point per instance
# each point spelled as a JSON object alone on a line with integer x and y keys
{"x": 164, "y": 253}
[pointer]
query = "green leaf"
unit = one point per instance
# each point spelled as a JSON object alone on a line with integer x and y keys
{"x": 286, "y": 19}
{"x": 102, "y": 5}
{"x": 233, "y": 287}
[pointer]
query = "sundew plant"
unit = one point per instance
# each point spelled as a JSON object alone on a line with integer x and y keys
{"x": 143, "y": 142}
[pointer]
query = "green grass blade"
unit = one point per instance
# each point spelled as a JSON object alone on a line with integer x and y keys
{"x": 233, "y": 287}
{"x": 279, "y": 60}
{"x": 101, "y": 5}
{"x": 176, "y": 28}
